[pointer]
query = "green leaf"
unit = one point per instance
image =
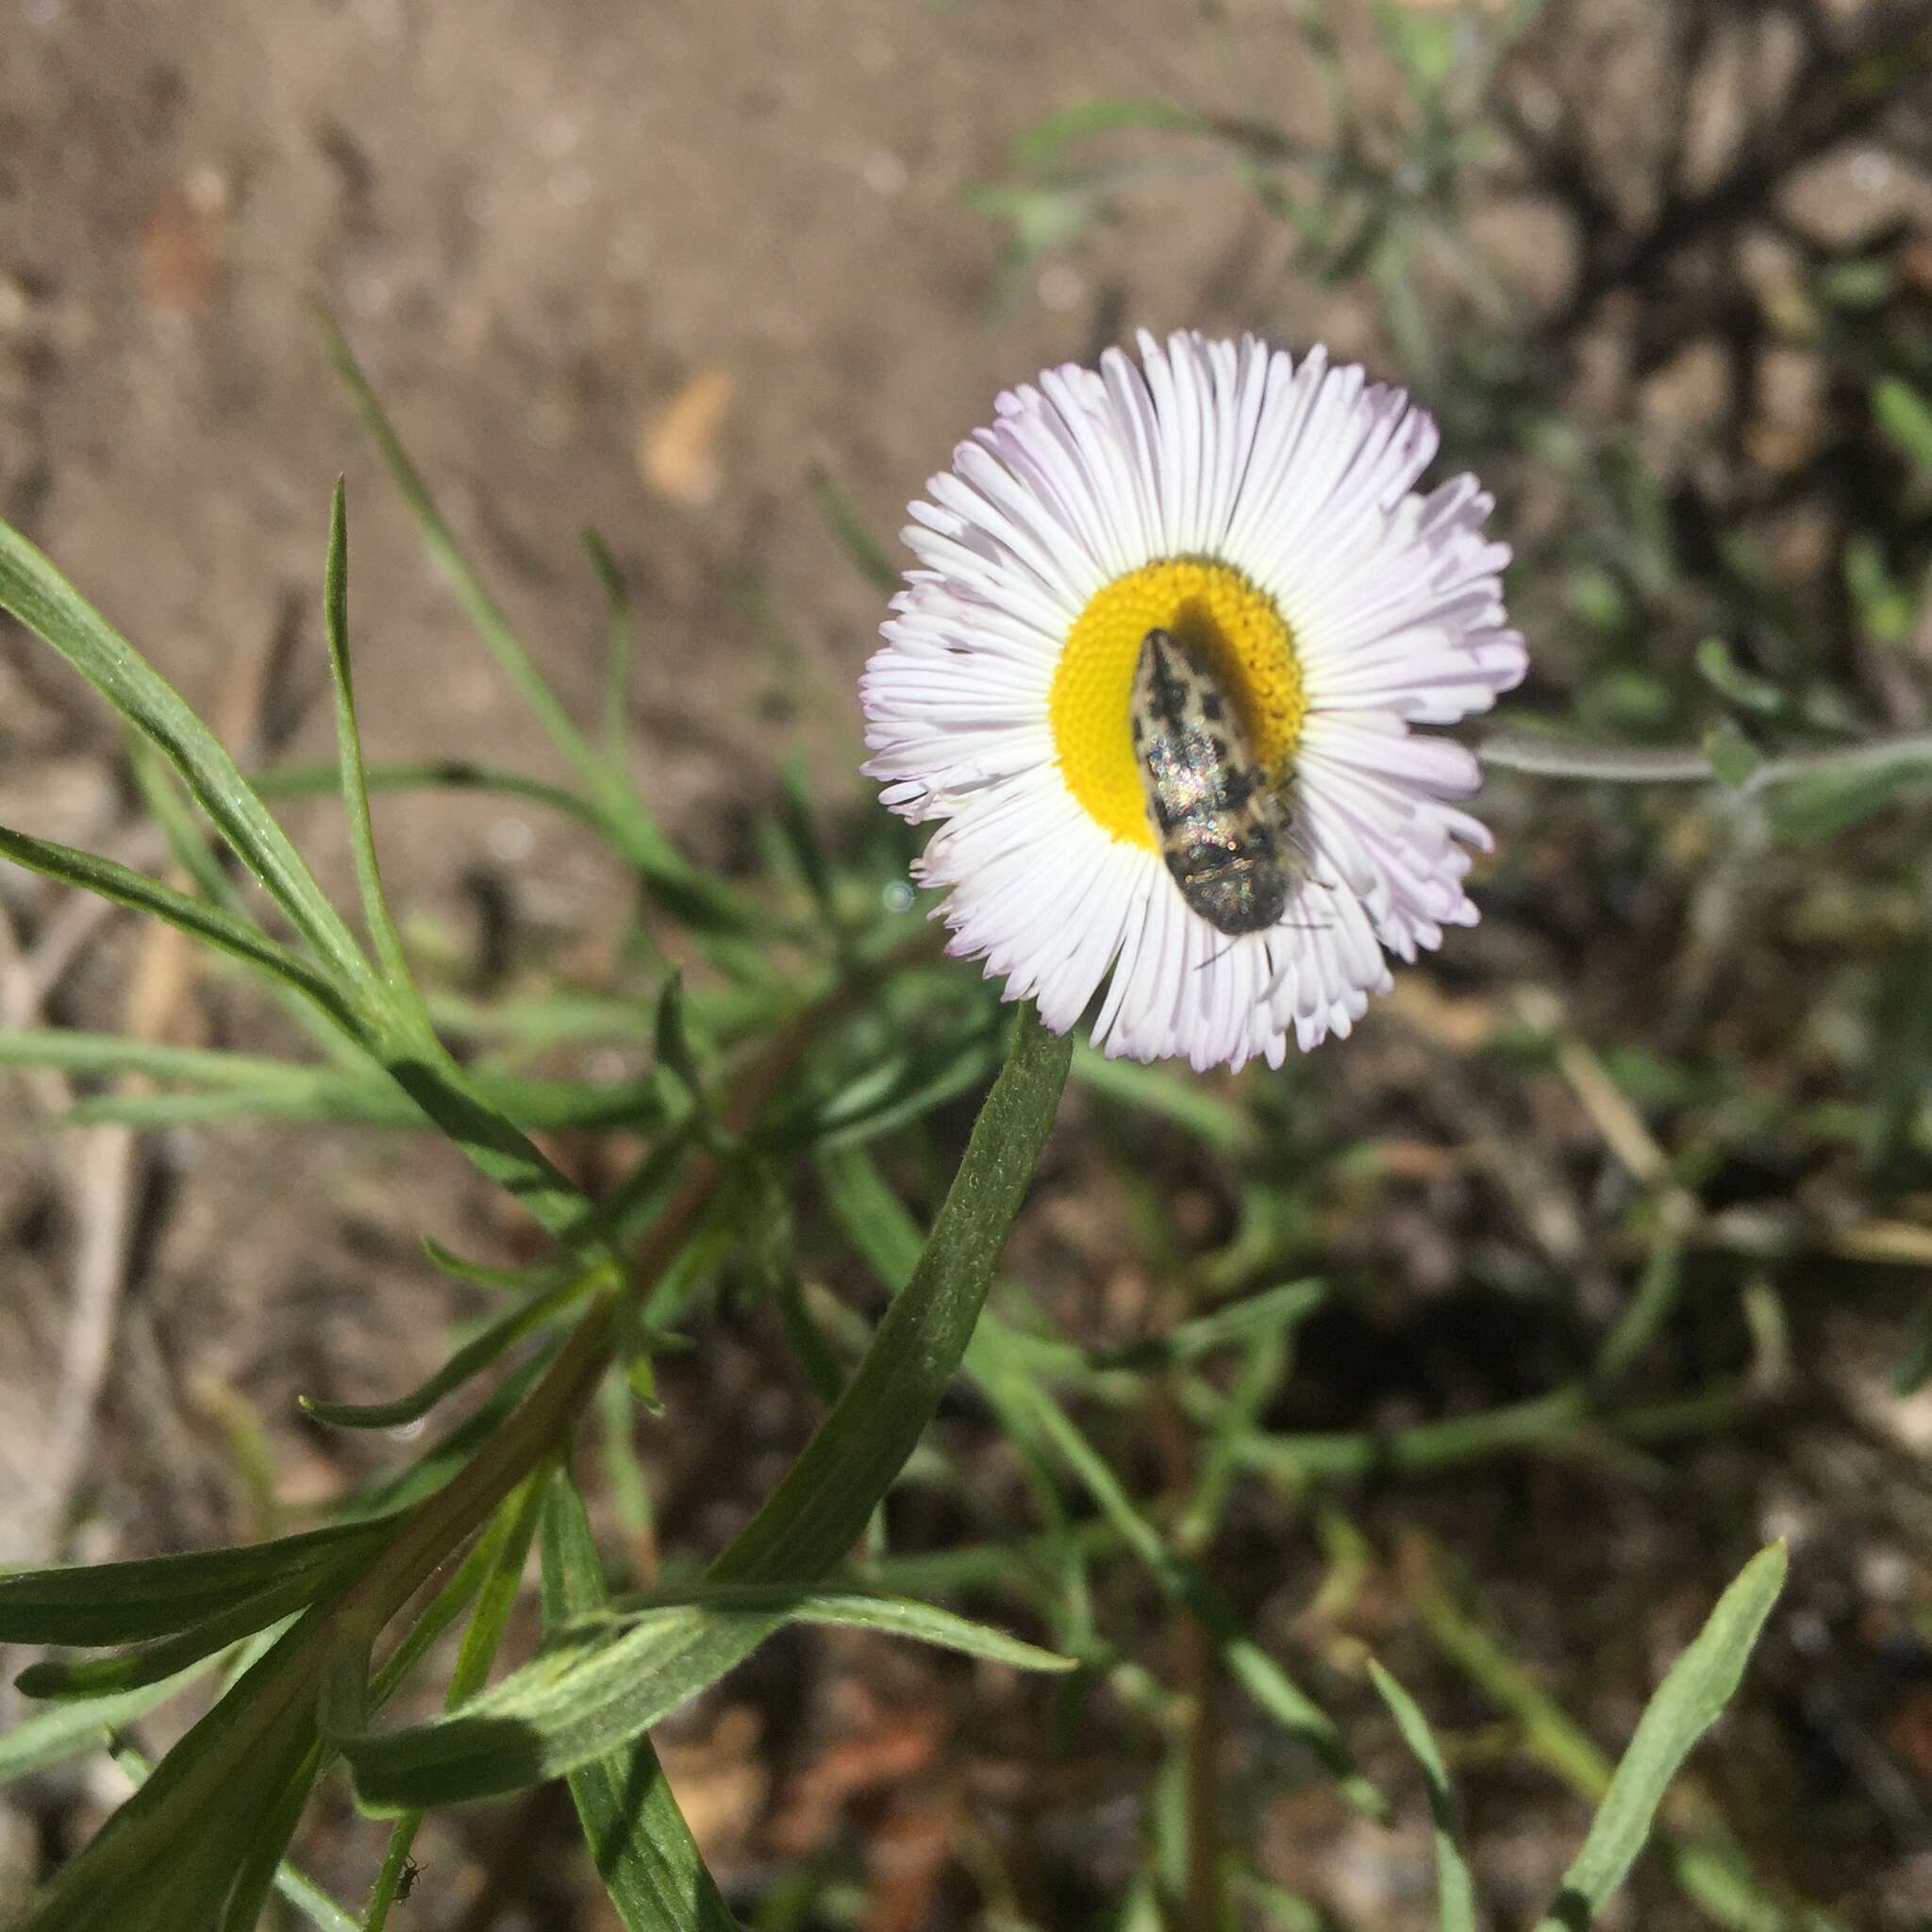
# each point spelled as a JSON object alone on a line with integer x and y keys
{"x": 315, "y": 1903}
{"x": 900, "y": 1089}
{"x": 104, "y": 1676}
{"x": 113, "y": 1053}
{"x": 617, "y": 653}
{"x": 155, "y": 1596}
{"x": 1179, "y": 1097}
{"x": 52, "y": 1737}
{"x": 261, "y": 1859}
{"x": 1272, "y": 1311}
{"x": 856, "y": 1609}
{"x": 1042, "y": 144}
{"x": 643, "y": 1848}
{"x": 140, "y": 1873}
{"x": 1258, "y": 1674}
{"x": 112, "y": 880}
{"x": 334, "y": 603}
{"x": 803, "y": 841}
{"x": 1455, "y": 1890}
{"x": 473, "y": 1357}
{"x": 560, "y": 1712}
{"x": 42, "y": 600}
{"x": 824, "y": 1503}
{"x": 503, "y": 1551}
{"x": 1734, "y": 760}
{"x": 1718, "y": 665}
{"x": 1820, "y": 804}
{"x": 1687, "y": 1703}
{"x": 854, "y": 538}
{"x": 433, "y": 774}
{"x": 673, "y": 1039}
{"x": 604, "y": 1680}
{"x": 701, "y": 900}
{"x": 1905, "y": 419}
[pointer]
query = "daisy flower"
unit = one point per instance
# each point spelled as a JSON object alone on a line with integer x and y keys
{"x": 1220, "y": 533}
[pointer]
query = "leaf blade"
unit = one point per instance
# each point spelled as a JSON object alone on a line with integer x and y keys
{"x": 36, "y": 593}
{"x": 1690, "y": 1699}
{"x": 1455, "y": 1888}
{"x": 637, "y": 1838}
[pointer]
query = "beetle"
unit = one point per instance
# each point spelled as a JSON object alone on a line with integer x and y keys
{"x": 1227, "y": 834}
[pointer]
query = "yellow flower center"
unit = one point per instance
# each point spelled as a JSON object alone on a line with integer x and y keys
{"x": 1207, "y": 605}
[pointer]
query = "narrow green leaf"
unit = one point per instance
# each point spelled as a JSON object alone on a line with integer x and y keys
{"x": 186, "y": 836}
{"x": 1042, "y": 144}
{"x": 1821, "y": 804}
{"x": 858, "y": 1609}
{"x": 903, "y": 1090}
{"x": 506, "y": 1545}
{"x": 155, "y": 1596}
{"x": 139, "y": 1873}
{"x": 822, "y": 1505}
{"x": 112, "y": 1053}
{"x": 434, "y": 774}
{"x": 315, "y": 1903}
{"x": 849, "y": 528}
{"x": 800, "y": 831}
{"x": 519, "y": 1514}
{"x": 1259, "y": 1674}
{"x": 1454, "y": 1889}
{"x": 1270, "y": 1311}
{"x": 1178, "y": 1097}
{"x": 1687, "y": 1703}
{"x": 673, "y": 1039}
{"x": 52, "y": 1737}
{"x": 261, "y": 1859}
{"x": 104, "y": 1676}
{"x": 42, "y": 600}
{"x": 481, "y": 609}
{"x": 473, "y": 1357}
{"x": 115, "y": 881}
{"x": 617, "y": 653}
{"x": 334, "y": 603}
{"x": 1718, "y": 664}
{"x": 1904, "y": 417}
{"x": 701, "y": 900}
{"x": 443, "y": 1609}
{"x": 606, "y": 1680}
{"x": 643, "y": 1850}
